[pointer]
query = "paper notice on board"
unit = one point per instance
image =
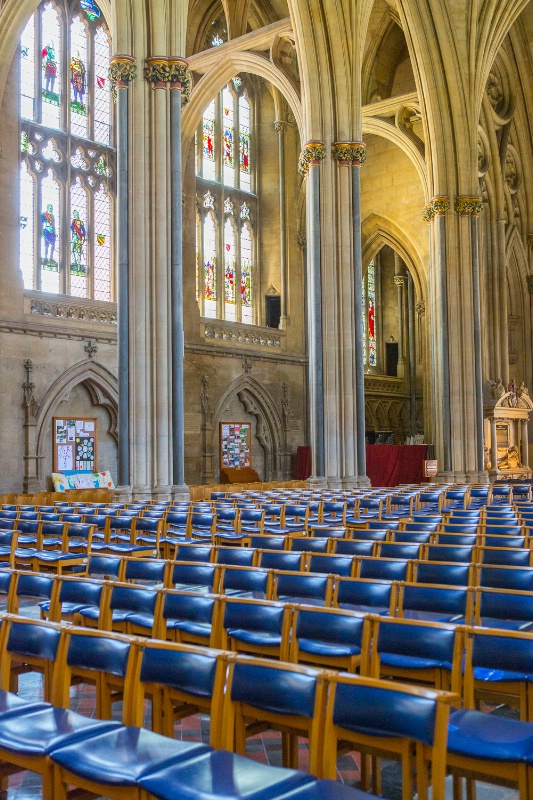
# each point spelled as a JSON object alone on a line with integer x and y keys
{"x": 64, "y": 458}
{"x": 59, "y": 423}
{"x": 61, "y": 435}
{"x": 89, "y": 426}
{"x": 71, "y": 434}
{"x": 79, "y": 425}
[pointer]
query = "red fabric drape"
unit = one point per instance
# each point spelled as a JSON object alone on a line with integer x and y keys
{"x": 303, "y": 464}
{"x": 391, "y": 464}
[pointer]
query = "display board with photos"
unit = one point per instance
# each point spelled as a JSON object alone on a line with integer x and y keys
{"x": 75, "y": 444}
{"x": 235, "y": 444}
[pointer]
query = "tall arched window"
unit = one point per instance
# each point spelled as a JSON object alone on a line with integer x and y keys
{"x": 369, "y": 315}
{"x": 67, "y": 158}
{"x": 227, "y": 205}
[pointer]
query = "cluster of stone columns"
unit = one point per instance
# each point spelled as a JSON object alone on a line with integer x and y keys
{"x": 347, "y": 155}
{"x": 162, "y": 73}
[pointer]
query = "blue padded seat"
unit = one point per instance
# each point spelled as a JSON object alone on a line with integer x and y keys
{"x": 197, "y": 553}
{"x": 309, "y": 544}
{"x": 324, "y": 634}
{"x": 334, "y": 564}
{"x": 121, "y": 755}
{"x": 75, "y": 596}
{"x": 255, "y": 624}
{"x": 437, "y": 604}
{"x": 190, "y": 615}
{"x": 202, "y": 577}
{"x": 382, "y": 569}
{"x": 219, "y": 773}
{"x": 505, "y": 557}
{"x": 12, "y": 704}
{"x": 246, "y": 582}
{"x": 151, "y": 570}
{"x": 489, "y": 737}
{"x": 364, "y": 595}
{"x": 442, "y": 573}
{"x": 38, "y": 732}
{"x": 311, "y": 588}
{"x": 193, "y": 673}
{"x": 326, "y": 790}
{"x": 506, "y": 610}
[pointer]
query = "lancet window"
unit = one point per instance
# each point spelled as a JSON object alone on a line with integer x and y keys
{"x": 226, "y": 206}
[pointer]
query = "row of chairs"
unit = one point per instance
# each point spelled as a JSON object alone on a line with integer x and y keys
{"x": 375, "y": 717}
{"x": 125, "y": 760}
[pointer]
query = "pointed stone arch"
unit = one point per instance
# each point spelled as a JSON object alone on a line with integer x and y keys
{"x": 103, "y": 388}
{"x": 269, "y": 429}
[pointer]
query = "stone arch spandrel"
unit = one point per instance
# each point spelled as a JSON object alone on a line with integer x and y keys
{"x": 101, "y": 384}
{"x": 269, "y": 431}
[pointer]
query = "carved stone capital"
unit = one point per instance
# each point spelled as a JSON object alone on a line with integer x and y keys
{"x": 468, "y": 206}
{"x": 180, "y": 77}
{"x": 428, "y": 214}
{"x": 122, "y": 70}
{"x": 530, "y": 240}
{"x": 311, "y": 156}
{"x": 280, "y": 126}
{"x": 441, "y": 205}
{"x": 349, "y": 153}
{"x": 420, "y": 308}
{"x": 157, "y": 71}
{"x": 529, "y": 279}
{"x": 399, "y": 280}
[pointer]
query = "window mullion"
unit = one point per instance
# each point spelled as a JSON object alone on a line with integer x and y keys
{"x": 37, "y": 238}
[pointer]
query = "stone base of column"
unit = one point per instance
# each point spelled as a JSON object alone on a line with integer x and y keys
{"x": 161, "y": 492}
{"x": 315, "y": 482}
{"x": 334, "y": 483}
{"x": 122, "y": 494}
{"x": 349, "y": 482}
{"x": 445, "y": 477}
{"x": 478, "y": 477}
{"x": 181, "y": 492}
{"x": 32, "y": 486}
{"x": 363, "y": 481}
{"x": 142, "y": 492}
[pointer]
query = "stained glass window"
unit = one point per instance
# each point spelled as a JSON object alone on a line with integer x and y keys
{"x": 27, "y": 192}
{"x": 246, "y": 273}
{"x": 229, "y": 271}
{"x": 78, "y": 78}
{"x": 369, "y": 316}
{"x": 208, "y": 160}
{"x": 244, "y": 143}
{"x": 67, "y": 162}
{"x": 50, "y": 233}
{"x": 210, "y": 267}
{"x": 227, "y": 206}
{"x": 228, "y": 154}
{"x": 51, "y": 62}
{"x": 27, "y": 70}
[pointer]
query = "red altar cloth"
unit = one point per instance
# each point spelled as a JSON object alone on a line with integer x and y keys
{"x": 392, "y": 464}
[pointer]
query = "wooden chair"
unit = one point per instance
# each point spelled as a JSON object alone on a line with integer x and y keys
{"x": 391, "y": 720}
{"x": 263, "y": 695}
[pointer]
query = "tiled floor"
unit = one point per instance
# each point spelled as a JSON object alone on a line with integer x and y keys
{"x": 265, "y": 747}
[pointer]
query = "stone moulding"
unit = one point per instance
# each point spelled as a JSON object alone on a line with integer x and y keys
{"x": 469, "y": 206}
{"x": 241, "y": 335}
{"x": 76, "y": 312}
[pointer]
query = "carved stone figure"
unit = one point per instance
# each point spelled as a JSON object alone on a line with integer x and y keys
{"x": 498, "y": 389}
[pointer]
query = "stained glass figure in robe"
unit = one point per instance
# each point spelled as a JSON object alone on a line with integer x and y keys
{"x": 246, "y": 274}
{"x": 50, "y": 73}
{"x": 91, "y": 9}
{"x": 49, "y": 234}
{"x": 229, "y": 271}
{"x": 371, "y": 313}
{"x": 78, "y": 83}
{"x": 77, "y": 242}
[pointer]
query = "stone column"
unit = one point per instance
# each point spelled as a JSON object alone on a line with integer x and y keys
{"x": 180, "y": 82}
{"x": 157, "y": 73}
{"x": 309, "y": 166}
{"x": 525, "y": 443}
{"x": 399, "y": 282}
{"x": 472, "y": 206}
{"x": 493, "y": 447}
{"x": 280, "y": 128}
{"x": 358, "y": 152}
{"x": 436, "y": 211}
{"x": 412, "y": 353}
{"x": 122, "y": 70}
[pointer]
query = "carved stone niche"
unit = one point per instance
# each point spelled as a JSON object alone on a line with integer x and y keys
{"x": 409, "y": 120}
{"x": 506, "y": 413}
{"x": 500, "y": 94}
